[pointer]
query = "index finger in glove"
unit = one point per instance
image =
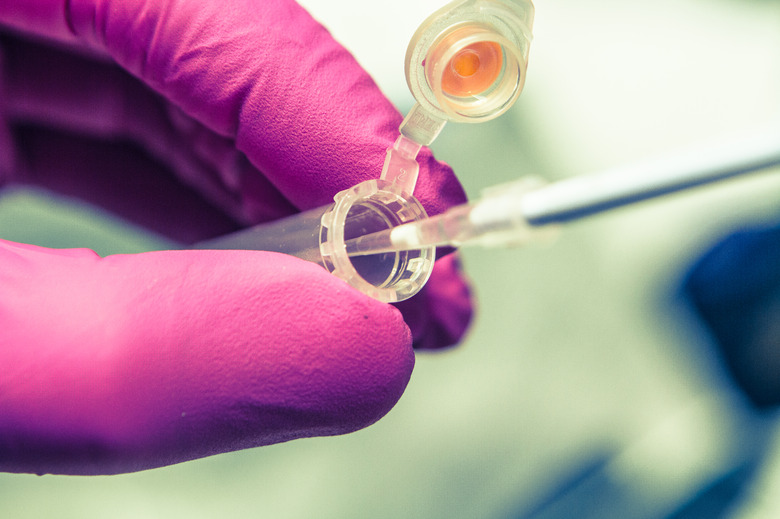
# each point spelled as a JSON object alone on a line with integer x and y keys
{"x": 262, "y": 73}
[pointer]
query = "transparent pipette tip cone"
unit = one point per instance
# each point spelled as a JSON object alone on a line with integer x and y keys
{"x": 496, "y": 219}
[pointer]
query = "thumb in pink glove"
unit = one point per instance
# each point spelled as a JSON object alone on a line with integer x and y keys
{"x": 193, "y": 119}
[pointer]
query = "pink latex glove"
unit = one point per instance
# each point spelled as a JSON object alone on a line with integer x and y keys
{"x": 193, "y": 118}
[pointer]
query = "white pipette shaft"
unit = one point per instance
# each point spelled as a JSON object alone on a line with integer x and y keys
{"x": 511, "y": 213}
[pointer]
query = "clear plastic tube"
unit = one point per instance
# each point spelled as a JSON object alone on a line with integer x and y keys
{"x": 297, "y": 235}
{"x": 319, "y": 236}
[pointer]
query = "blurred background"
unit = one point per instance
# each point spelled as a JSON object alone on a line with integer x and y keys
{"x": 584, "y": 388}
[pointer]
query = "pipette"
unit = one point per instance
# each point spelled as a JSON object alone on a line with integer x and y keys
{"x": 520, "y": 211}
{"x": 467, "y": 63}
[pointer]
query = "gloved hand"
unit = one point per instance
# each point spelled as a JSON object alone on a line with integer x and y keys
{"x": 193, "y": 118}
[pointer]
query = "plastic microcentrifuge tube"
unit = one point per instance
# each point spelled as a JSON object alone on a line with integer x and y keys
{"x": 319, "y": 236}
{"x": 466, "y": 63}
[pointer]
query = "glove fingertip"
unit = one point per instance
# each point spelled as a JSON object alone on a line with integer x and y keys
{"x": 440, "y": 315}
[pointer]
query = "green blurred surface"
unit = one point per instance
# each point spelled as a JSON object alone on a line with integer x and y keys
{"x": 46, "y": 219}
{"x": 574, "y": 349}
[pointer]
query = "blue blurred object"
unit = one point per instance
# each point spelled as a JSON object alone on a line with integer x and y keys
{"x": 591, "y": 494}
{"x": 735, "y": 291}
{"x": 700, "y": 462}
{"x": 701, "y": 482}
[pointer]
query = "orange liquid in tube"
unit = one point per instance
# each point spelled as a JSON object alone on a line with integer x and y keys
{"x": 473, "y": 69}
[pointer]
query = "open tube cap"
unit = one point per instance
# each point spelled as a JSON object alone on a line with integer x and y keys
{"x": 467, "y": 61}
